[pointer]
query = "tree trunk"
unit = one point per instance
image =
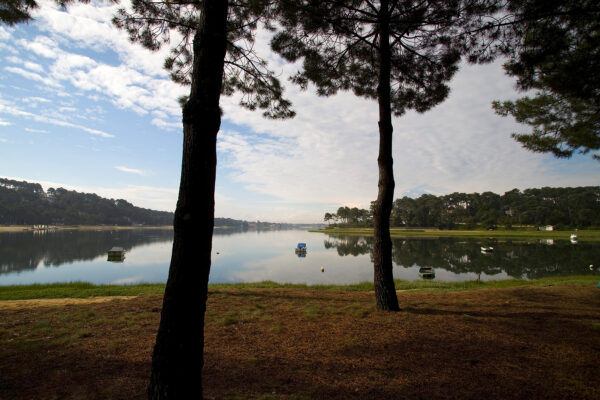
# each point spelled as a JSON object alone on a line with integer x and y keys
{"x": 385, "y": 291}
{"x": 177, "y": 360}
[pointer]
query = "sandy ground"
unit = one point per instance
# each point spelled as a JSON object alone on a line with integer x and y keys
{"x": 517, "y": 343}
{"x": 36, "y": 303}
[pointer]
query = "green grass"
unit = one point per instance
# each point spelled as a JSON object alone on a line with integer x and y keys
{"x": 584, "y": 235}
{"x": 75, "y": 290}
{"x": 85, "y": 290}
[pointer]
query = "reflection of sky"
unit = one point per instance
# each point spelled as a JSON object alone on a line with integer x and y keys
{"x": 242, "y": 257}
{"x": 144, "y": 263}
{"x": 98, "y": 271}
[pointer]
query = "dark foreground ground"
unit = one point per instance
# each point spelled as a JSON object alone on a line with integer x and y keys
{"x": 518, "y": 343}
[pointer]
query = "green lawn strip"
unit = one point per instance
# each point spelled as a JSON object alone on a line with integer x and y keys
{"x": 583, "y": 235}
{"x": 75, "y": 290}
{"x": 85, "y": 290}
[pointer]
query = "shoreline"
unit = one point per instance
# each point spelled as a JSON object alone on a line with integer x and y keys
{"x": 71, "y": 290}
{"x": 29, "y": 228}
{"x": 583, "y": 235}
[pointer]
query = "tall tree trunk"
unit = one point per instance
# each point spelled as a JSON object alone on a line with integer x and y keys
{"x": 385, "y": 291}
{"x": 177, "y": 360}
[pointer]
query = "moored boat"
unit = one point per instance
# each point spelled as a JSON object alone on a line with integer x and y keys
{"x": 301, "y": 250}
{"x": 116, "y": 254}
{"x": 427, "y": 272}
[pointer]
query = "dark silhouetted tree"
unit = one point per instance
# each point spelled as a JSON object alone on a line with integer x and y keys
{"x": 555, "y": 51}
{"x": 16, "y": 11}
{"x": 213, "y": 54}
{"x": 401, "y": 53}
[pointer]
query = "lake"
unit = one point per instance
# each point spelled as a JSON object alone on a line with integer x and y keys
{"x": 64, "y": 256}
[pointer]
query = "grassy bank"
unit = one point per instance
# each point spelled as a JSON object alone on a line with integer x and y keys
{"x": 584, "y": 235}
{"x": 85, "y": 290}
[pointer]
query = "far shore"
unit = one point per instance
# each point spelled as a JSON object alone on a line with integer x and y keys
{"x": 583, "y": 235}
{"x": 21, "y": 228}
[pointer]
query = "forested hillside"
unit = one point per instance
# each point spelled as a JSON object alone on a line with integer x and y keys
{"x": 24, "y": 203}
{"x": 568, "y": 207}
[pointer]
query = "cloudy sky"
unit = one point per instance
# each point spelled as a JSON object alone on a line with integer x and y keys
{"x": 84, "y": 109}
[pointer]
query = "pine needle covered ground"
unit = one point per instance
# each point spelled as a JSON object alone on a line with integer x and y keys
{"x": 526, "y": 342}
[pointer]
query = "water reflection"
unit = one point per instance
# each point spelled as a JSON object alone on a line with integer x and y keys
{"x": 252, "y": 256}
{"x": 22, "y": 251}
{"x": 530, "y": 260}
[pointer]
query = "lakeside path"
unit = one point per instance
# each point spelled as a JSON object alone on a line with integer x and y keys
{"x": 583, "y": 235}
{"x": 527, "y": 342}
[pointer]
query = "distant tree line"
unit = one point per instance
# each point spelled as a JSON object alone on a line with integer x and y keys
{"x": 24, "y": 203}
{"x": 559, "y": 207}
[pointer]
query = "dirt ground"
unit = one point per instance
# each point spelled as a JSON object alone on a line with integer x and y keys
{"x": 518, "y": 343}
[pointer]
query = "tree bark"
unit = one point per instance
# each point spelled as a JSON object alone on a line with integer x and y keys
{"x": 178, "y": 359}
{"x": 385, "y": 290}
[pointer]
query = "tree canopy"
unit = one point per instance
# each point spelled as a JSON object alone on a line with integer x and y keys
{"x": 555, "y": 52}
{"x": 16, "y": 11}
{"x": 24, "y": 203}
{"x": 157, "y": 23}
{"x": 576, "y": 207}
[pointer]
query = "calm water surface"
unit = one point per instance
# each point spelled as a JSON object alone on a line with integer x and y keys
{"x": 63, "y": 256}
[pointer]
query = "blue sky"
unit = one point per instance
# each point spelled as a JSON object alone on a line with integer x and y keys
{"x": 82, "y": 108}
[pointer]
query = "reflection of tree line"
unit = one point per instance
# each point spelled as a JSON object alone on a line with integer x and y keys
{"x": 24, "y": 250}
{"x": 516, "y": 259}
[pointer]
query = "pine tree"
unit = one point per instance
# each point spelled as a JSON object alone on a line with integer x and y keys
{"x": 213, "y": 55}
{"x": 554, "y": 50}
{"x": 16, "y": 11}
{"x": 401, "y": 53}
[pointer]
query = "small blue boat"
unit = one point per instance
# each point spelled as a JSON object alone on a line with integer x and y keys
{"x": 301, "y": 250}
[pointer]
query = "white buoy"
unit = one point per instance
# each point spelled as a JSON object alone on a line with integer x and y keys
{"x": 322, "y": 269}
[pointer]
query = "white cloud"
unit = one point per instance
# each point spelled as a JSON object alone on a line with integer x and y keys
{"x": 4, "y": 35}
{"x": 326, "y": 156}
{"x": 14, "y": 60}
{"x": 8, "y": 48}
{"x": 165, "y": 124}
{"x": 33, "y": 66}
{"x": 35, "y": 100}
{"x": 90, "y": 26}
{"x": 3, "y": 140}
{"x": 4, "y": 123}
{"x": 42, "y": 46}
{"x": 67, "y": 109}
{"x": 41, "y": 118}
{"x": 139, "y": 83}
{"x": 130, "y": 170}
{"x": 32, "y": 75}
{"x": 36, "y": 130}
